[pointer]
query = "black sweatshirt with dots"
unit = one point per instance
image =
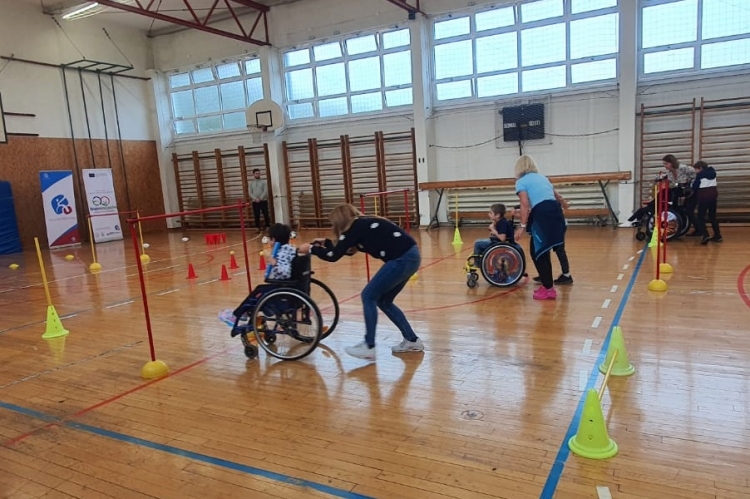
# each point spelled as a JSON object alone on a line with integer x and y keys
{"x": 378, "y": 237}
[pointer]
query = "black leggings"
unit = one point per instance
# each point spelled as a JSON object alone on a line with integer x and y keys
{"x": 563, "y": 257}
{"x": 543, "y": 266}
{"x": 707, "y": 207}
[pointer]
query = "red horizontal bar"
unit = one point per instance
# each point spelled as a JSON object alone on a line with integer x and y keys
{"x": 371, "y": 194}
{"x": 185, "y": 213}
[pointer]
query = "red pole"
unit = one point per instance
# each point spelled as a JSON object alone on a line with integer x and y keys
{"x": 657, "y": 226}
{"x": 367, "y": 259}
{"x": 244, "y": 246}
{"x": 406, "y": 208}
{"x": 133, "y": 231}
{"x": 666, "y": 216}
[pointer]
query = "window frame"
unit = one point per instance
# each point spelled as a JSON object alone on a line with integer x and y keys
{"x": 695, "y": 72}
{"x": 345, "y": 59}
{"x": 518, "y": 27}
{"x": 243, "y": 77}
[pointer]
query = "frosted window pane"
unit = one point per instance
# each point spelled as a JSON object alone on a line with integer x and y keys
{"x": 229, "y": 70}
{"x": 454, "y": 90}
{"x": 497, "y": 85}
{"x": 327, "y": 51}
{"x": 232, "y": 95}
{"x": 179, "y": 80}
{"x": 202, "y": 75}
{"x": 589, "y": 5}
{"x": 594, "y": 36}
{"x": 542, "y": 9}
{"x": 497, "y": 18}
{"x": 367, "y": 102}
{"x": 453, "y": 59}
{"x": 725, "y": 18}
{"x": 182, "y": 104}
{"x": 182, "y": 127}
{"x": 252, "y": 66}
{"x": 364, "y": 74}
{"x": 209, "y": 124}
{"x": 668, "y": 60}
{"x": 542, "y": 45}
{"x": 297, "y": 57}
{"x": 453, "y": 27}
{"x": 593, "y": 71}
{"x": 299, "y": 84}
{"x": 543, "y": 79}
{"x": 254, "y": 90}
{"x": 731, "y": 53}
{"x": 304, "y": 110}
{"x": 670, "y": 23}
{"x": 333, "y": 107}
{"x": 400, "y": 97}
{"x": 206, "y": 100}
{"x": 234, "y": 121}
{"x": 331, "y": 79}
{"x": 397, "y": 68}
{"x": 398, "y": 38}
{"x": 361, "y": 45}
{"x": 498, "y": 52}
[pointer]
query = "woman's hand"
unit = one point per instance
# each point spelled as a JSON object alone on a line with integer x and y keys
{"x": 351, "y": 251}
{"x": 320, "y": 241}
{"x": 519, "y": 233}
{"x": 303, "y": 249}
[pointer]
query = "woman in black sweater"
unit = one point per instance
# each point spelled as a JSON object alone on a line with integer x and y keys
{"x": 706, "y": 193}
{"x": 386, "y": 241}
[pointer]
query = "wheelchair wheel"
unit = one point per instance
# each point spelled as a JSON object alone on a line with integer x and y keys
{"x": 251, "y": 351}
{"x": 327, "y": 304}
{"x": 673, "y": 226}
{"x": 472, "y": 280}
{"x": 502, "y": 265}
{"x": 288, "y": 324}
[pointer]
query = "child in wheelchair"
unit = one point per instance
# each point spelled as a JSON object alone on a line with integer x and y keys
{"x": 282, "y": 264}
{"x": 501, "y": 231}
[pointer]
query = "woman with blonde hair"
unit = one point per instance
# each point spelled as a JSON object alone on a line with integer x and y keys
{"x": 382, "y": 239}
{"x": 541, "y": 211}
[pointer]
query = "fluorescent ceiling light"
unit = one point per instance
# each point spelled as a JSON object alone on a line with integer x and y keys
{"x": 81, "y": 9}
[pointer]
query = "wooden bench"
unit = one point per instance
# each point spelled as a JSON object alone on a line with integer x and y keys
{"x": 599, "y": 213}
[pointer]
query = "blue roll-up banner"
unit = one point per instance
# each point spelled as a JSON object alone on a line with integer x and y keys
{"x": 59, "y": 201}
{"x": 10, "y": 240}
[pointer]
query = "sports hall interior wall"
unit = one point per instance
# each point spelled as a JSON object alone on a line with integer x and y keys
{"x": 26, "y": 33}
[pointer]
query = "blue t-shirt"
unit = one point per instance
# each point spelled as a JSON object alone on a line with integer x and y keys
{"x": 537, "y": 187}
{"x": 504, "y": 226}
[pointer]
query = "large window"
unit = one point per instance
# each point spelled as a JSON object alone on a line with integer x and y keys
{"x": 361, "y": 74}
{"x": 694, "y": 35}
{"x": 528, "y": 46}
{"x": 212, "y": 99}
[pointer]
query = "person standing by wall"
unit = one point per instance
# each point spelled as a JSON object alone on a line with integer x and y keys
{"x": 259, "y": 197}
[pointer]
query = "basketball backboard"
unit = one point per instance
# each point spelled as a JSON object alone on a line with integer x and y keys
{"x": 3, "y": 133}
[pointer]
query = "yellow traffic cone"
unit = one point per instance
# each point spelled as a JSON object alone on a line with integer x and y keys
{"x": 592, "y": 440}
{"x": 414, "y": 277}
{"x": 622, "y": 366}
{"x": 54, "y": 328}
{"x": 457, "y": 237}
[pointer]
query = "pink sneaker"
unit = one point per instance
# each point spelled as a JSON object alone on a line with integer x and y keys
{"x": 542, "y": 293}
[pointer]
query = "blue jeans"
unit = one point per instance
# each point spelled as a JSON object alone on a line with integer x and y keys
{"x": 481, "y": 245}
{"x": 383, "y": 289}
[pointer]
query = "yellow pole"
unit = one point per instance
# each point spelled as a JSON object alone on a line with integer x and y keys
{"x": 455, "y": 199}
{"x": 91, "y": 237}
{"x": 44, "y": 274}
{"x": 376, "y": 205}
{"x": 606, "y": 376}
{"x": 140, "y": 231}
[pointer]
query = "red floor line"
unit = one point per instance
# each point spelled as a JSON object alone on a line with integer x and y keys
{"x": 19, "y": 438}
{"x": 741, "y": 285}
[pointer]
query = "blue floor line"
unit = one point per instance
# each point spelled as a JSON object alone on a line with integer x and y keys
{"x": 550, "y": 486}
{"x": 223, "y": 463}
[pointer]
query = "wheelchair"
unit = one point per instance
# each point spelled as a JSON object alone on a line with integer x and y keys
{"x": 286, "y": 321}
{"x": 502, "y": 265}
{"x": 676, "y": 222}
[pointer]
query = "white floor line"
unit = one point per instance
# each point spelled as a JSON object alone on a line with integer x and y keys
{"x": 119, "y": 304}
{"x": 614, "y": 289}
{"x": 597, "y": 321}
{"x": 620, "y": 276}
{"x": 582, "y": 379}
{"x": 587, "y": 346}
{"x": 603, "y": 492}
{"x": 625, "y": 267}
{"x": 606, "y": 303}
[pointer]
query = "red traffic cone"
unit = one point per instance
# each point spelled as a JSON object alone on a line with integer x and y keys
{"x": 224, "y": 273}
{"x": 233, "y": 261}
{"x": 262, "y": 265}
{"x": 191, "y": 272}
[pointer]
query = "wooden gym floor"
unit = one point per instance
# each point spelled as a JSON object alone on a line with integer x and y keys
{"x": 484, "y": 412}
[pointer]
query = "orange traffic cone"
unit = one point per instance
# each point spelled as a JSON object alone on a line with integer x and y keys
{"x": 224, "y": 273}
{"x": 233, "y": 261}
{"x": 262, "y": 265}
{"x": 191, "y": 272}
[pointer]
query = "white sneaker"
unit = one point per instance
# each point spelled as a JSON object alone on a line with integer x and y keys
{"x": 361, "y": 351}
{"x": 627, "y": 225}
{"x": 408, "y": 346}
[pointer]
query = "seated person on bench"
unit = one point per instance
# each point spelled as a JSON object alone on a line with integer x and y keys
{"x": 501, "y": 229}
{"x": 281, "y": 270}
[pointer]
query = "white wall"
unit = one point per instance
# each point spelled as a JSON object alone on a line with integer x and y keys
{"x": 27, "y": 33}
